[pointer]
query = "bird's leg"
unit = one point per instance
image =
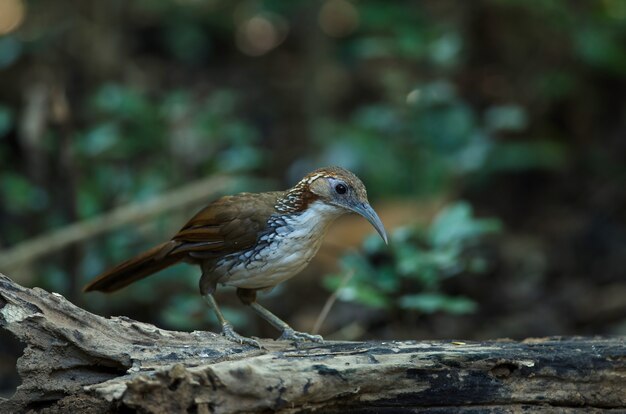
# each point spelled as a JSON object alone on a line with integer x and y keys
{"x": 248, "y": 297}
{"x": 288, "y": 333}
{"x": 227, "y": 328}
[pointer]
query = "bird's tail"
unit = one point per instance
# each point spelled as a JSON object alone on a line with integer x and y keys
{"x": 132, "y": 270}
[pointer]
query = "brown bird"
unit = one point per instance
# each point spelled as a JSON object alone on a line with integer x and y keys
{"x": 254, "y": 242}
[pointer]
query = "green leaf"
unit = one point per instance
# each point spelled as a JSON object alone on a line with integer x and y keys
{"x": 506, "y": 118}
{"x": 187, "y": 41}
{"x": 387, "y": 279}
{"x": 121, "y": 101}
{"x": 445, "y": 50}
{"x": 332, "y": 282}
{"x": 99, "y": 139}
{"x": 19, "y": 194}
{"x": 436, "y": 302}
{"x": 603, "y": 48}
{"x": 530, "y": 155}
{"x": 373, "y": 244}
{"x": 358, "y": 291}
{"x": 363, "y": 294}
{"x": 358, "y": 264}
{"x": 455, "y": 225}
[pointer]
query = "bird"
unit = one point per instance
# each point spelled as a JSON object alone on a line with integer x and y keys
{"x": 253, "y": 241}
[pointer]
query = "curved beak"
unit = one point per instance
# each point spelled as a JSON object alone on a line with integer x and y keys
{"x": 365, "y": 210}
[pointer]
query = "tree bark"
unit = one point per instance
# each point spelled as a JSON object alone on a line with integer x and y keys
{"x": 75, "y": 361}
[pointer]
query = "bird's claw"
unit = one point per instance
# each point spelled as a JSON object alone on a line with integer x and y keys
{"x": 295, "y": 336}
{"x": 229, "y": 333}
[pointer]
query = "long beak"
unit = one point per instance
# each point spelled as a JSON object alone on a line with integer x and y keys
{"x": 368, "y": 212}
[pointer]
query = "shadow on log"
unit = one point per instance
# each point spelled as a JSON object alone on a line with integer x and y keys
{"x": 75, "y": 361}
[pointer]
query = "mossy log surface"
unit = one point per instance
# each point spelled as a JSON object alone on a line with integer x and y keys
{"x": 75, "y": 361}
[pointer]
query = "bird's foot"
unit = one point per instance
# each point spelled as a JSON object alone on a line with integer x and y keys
{"x": 295, "y": 336}
{"x": 229, "y": 333}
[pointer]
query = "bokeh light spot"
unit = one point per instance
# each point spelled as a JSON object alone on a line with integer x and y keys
{"x": 12, "y": 13}
{"x": 413, "y": 97}
{"x": 261, "y": 33}
{"x": 338, "y": 18}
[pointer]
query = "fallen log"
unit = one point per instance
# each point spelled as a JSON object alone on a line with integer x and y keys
{"x": 75, "y": 361}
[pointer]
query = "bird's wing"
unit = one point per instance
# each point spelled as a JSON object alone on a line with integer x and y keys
{"x": 227, "y": 225}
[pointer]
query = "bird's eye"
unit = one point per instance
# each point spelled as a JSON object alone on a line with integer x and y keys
{"x": 340, "y": 189}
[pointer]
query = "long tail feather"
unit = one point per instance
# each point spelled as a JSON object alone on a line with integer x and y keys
{"x": 132, "y": 270}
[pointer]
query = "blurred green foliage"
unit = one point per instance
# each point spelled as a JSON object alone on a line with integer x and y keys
{"x": 201, "y": 137}
{"x": 502, "y": 102}
{"x": 434, "y": 141}
{"x": 409, "y": 273}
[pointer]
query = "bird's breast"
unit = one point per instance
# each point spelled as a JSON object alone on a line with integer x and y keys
{"x": 284, "y": 249}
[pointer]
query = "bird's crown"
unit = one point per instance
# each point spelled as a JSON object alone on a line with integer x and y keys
{"x": 326, "y": 184}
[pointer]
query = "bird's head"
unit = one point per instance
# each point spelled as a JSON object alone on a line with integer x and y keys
{"x": 343, "y": 190}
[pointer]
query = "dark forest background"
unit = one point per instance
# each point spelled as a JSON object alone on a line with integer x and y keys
{"x": 491, "y": 135}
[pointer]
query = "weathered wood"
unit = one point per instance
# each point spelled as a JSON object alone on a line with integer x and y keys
{"x": 76, "y": 361}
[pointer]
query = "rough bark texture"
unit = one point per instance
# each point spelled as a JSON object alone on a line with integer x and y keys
{"x": 76, "y": 361}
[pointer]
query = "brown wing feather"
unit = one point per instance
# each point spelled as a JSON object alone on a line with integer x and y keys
{"x": 225, "y": 226}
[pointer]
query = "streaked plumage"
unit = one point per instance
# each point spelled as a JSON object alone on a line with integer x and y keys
{"x": 253, "y": 240}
